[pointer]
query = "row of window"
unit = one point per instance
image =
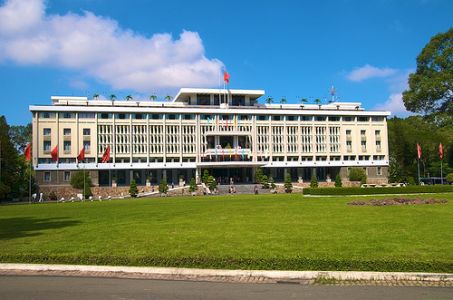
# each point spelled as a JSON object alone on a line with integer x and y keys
{"x": 66, "y": 131}
{"x": 143, "y": 116}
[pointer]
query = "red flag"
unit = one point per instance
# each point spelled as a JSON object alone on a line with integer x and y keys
{"x": 441, "y": 151}
{"x": 27, "y": 152}
{"x": 106, "y": 155}
{"x": 226, "y": 77}
{"x": 81, "y": 156}
{"x": 419, "y": 151}
{"x": 54, "y": 153}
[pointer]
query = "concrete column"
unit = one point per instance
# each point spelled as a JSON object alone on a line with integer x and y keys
{"x": 198, "y": 175}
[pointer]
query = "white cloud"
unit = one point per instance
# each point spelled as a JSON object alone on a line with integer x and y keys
{"x": 99, "y": 48}
{"x": 394, "y": 104}
{"x": 369, "y": 71}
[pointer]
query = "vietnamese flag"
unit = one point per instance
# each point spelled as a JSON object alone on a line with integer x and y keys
{"x": 106, "y": 155}
{"x": 27, "y": 152}
{"x": 54, "y": 153}
{"x": 81, "y": 156}
{"x": 226, "y": 77}
{"x": 441, "y": 151}
{"x": 419, "y": 151}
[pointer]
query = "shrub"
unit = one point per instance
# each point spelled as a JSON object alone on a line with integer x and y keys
{"x": 77, "y": 179}
{"x": 288, "y": 184}
{"x": 357, "y": 174}
{"x": 264, "y": 182}
{"x": 133, "y": 191}
{"x": 163, "y": 186}
{"x": 411, "y": 180}
{"x": 212, "y": 183}
{"x": 259, "y": 176}
{"x": 380, "y": 190}
{"x": 205, "y": 177}
{"x": 192, "y": 185}
{"x": 450, "y": 177}
{"x": 338, "y": 182}
{"x": 313, "y": 181}
{"x": 272, "y": 183}
{"x": 53, "y": 196}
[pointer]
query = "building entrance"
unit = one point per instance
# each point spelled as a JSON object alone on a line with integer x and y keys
{"x": 226, "y": 175}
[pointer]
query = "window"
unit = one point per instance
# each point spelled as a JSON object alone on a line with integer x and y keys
{"x": 47, "y": 177}
{"x": 363, "y": 133}
{"x": 122, "y": 116}
{"x": 66, "y": 131}
{"x": 379, "y": 171}
{"x": 348, "y": 132}
{"x": 349, "y": 146}
{"x": 46, "y": 146}
{"x": 216, "y": 100}
{"x": 86, "y": 115}
{"x": 377, "y": 119}
{"x": 263, "y": 118}
{"x": 86, "y": 131}
{"x": 378, "y": 146}
{"x": 87, "y": 145}
{"x": 291, "y": 118}
{"x": 67, "y": 115}
{"x": 238, "y": 101}
{"x": 363, "y": 119}
{"x": 203, "y": 99}
{"x": 306, "y": 118}
{"x": 46, "y": 115}
{"x": 138, "y": 116}
{"x": 320, "y": 118}
{"x": 155, "y": 116}
{"x": 377, "y": 133}
{"x": 363, "y": 144}
{"x": 67, "y": 146}
{"x": 276, "y": 118}
{"x": 334, "y": 119}
{"x": 46, "y": 131}
{"x": 189, "y": 117}
{"x": 348, "y": 119}
{"x": 66, "y": 176}
{"x": 244, "y": 117}
{"x": 172, "y": 117}
{"x": 105, "y": 116}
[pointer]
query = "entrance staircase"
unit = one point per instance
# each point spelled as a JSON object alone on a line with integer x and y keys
{"x": 241, "y": 189}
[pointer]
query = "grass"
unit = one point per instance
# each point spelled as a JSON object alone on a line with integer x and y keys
{"x": 285, "y": 231}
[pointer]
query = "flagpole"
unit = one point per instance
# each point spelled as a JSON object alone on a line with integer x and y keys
{"x": 29, "y": 185}
{"x": 418, "y": 168}
{"x": 441, "y": 175}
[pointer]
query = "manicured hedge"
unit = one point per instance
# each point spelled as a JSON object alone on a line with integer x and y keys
{"x": 276, "y": 263}
{"x": 379, "y": 190}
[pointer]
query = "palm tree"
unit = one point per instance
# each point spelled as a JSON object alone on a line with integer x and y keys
{"x": 283, "y": 100}
{"x": 96, "y": 96}
{"x": 317, "y": 101}
{"x": 168, "y": 98}
{"x": 269, "y": 100}
{"x": 153, "y": 97}
{"x": 129, "y": 98}
{"x": 303, "y": 100}
{"x": 113, "y": 97}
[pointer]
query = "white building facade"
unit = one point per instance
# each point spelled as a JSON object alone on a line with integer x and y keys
{"x": 225, "y": 132}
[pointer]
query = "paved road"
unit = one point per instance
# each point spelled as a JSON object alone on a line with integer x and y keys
{"x": 68, "y": 288}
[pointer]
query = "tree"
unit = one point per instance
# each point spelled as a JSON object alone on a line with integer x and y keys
{"x": 129, "y": 98}
{"x": 269, "y": 100}
{"x": 153, "y": 97}
{"x": 113, "y": 97}
{"x": 258, "y": 175}
{"x": 163, "y": 186}
{"x": 168, "y": 98}
{"x": 431, "y": 86}
{"x": 303, "y": 100}
{"x": 133, "y": 190}
{"x": 264, "y": 182}
{"x": 449, "y": 178}
{"x": 211, "y": 183}
{"x": 205, "y": 177}
{"x": 313, "y": 181}
{"x": 283, "y": 100}
{"x": 288, "y": 184}
{"x": 357, "y": 174}
{"x": 9, "y": 164}
{"x": 20, "y": 136}
{"x": 318, "y": 101}
{"x": 77, "y": 182}
{"x": 338, "y": 182}
{"x": 272, "y": 183}
{"x": 192, "y": 185}
{"x": 95, "y": 96}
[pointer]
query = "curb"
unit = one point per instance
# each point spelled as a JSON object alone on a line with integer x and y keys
{"x": 223, "y": 275}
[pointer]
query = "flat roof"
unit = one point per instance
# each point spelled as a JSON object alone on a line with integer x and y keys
{"x": 190, "y": 91}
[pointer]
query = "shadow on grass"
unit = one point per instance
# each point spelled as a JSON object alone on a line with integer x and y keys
{"x": 12, "y": 228}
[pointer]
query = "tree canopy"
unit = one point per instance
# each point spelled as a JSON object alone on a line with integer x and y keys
{"x": 431, "y": 86}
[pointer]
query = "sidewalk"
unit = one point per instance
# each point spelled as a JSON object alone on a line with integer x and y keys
{"x": 246, "y": 276}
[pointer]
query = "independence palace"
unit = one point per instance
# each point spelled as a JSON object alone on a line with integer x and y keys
{"x": 224, "y": 131}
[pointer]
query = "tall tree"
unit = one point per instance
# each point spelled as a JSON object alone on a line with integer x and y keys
{"x": 8, "y": 162}
{"x": 20, "y": 136}
{"x": 431, "y": 86}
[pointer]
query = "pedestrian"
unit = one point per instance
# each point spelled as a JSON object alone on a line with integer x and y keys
{"x": 256, "y": 189}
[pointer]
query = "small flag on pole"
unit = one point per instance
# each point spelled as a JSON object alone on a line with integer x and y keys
{"x": 419, "y": 151}
{"x": 81, "y": 156}
{"x": 54, "y": 153}
{"x": 441, "y": 151}
{"x": 27, "y": 152}
{"x": 226, "y": 77}
{"x": 106, "y": 155}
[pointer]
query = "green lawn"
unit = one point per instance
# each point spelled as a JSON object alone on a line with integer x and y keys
{"x": 245, "y": 231}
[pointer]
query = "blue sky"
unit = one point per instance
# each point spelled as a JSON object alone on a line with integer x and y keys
{"x": 292, "y": 49}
